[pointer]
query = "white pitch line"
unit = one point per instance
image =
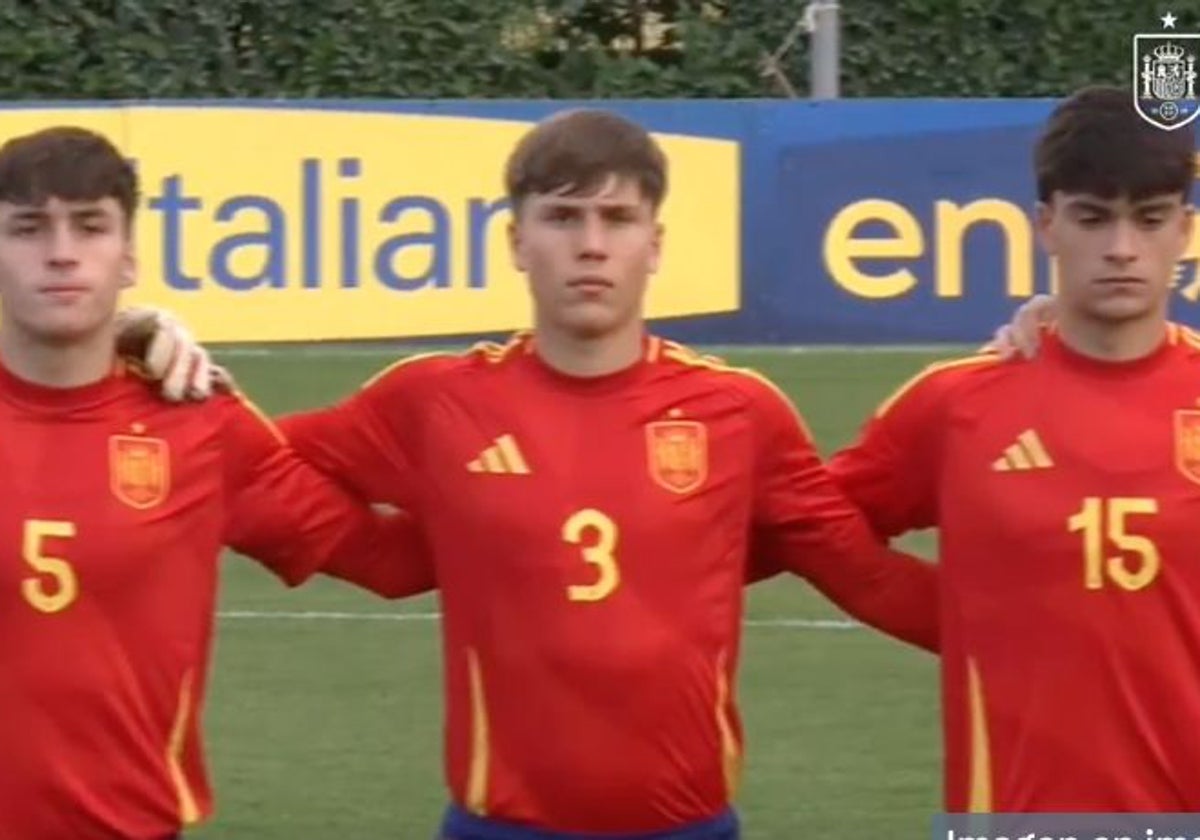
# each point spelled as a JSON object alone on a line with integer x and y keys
{"x": 253, "y": 615}
{"x": 804, "y": 623}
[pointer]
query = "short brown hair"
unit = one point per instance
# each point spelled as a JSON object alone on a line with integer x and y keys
{"x": 1095, "y": 142}
{"x": 68, "y": 163}
{"x": 577, "y": 150}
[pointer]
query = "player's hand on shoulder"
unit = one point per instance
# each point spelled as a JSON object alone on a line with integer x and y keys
{"x": 1022, "y": 334}
{"x": 162, "y": 349}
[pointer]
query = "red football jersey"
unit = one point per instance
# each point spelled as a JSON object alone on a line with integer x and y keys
{"x": 1067, "y": 494}
{"x": 115, "y": 508}
{"x": 590, "y": 542}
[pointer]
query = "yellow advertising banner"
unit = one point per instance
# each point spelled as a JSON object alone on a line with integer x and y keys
{"x": 262, "y": 223}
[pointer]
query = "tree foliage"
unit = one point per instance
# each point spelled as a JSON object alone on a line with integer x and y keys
{"x": 106, "y": 49}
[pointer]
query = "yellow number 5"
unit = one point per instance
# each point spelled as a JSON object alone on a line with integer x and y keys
{"x": 55, "y": 587}
{"x": 600, "y": 532}
{"x": 1100, "y": 516}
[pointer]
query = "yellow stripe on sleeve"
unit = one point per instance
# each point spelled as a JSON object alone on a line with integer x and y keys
{"x": 932, "y": 370}
{"x": 683, "y": 355}
{"x": 260, "y": 415}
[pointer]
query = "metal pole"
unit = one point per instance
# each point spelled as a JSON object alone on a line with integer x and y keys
{"x": 824, "y": 48}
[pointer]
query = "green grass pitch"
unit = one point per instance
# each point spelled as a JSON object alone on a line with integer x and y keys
{"x": 329, "y": 726}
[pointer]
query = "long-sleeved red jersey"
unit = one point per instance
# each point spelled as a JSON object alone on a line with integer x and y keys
{"x": 1067, "y": 494}
{"x": 114, "y": 507}
{"x": 590, "y": 540}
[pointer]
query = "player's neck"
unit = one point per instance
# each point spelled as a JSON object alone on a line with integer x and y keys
{"x": 1123, "y": 342}
{"x": 590, "y": 356}
{"x": 70, "y": 365}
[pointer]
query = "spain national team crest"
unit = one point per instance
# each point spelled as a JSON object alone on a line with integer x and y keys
{"x": 1187, "y": 443}
{"x": 139, "y": 470}
{"x": 1164, "y": 77}
{"x": 677, "y": 454}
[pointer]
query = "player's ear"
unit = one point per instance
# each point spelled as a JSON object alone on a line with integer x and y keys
{"x": 1043, "y": 219}
{"x": 129, "y": 264}
{"x": 515, "y": 242}
{"x": 656, "y": 253}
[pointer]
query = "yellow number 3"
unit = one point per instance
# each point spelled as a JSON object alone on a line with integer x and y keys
{"x": 55, "y": 587}
{"x": 600, "y": 533}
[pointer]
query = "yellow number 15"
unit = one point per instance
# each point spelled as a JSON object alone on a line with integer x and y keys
{"x": 1101, "y": 517}
{"x": 54, "y": 587}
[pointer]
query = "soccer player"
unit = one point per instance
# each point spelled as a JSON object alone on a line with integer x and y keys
{"x": 1066, "y": 489}
{"x": 590, "y": 494}
{"x": 114, "y": 507}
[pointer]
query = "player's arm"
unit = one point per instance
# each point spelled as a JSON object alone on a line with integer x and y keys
{"x": 296, "y": 521}
{"x": 358, "y": 443}
{"x": 891, "y": 471}
{"x": 347, "y": 442}
{"x": 805, "y": 524}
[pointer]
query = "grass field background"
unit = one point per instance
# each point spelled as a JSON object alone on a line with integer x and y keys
{"x": 324, "y": 714}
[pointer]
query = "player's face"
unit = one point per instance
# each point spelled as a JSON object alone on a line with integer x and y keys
{"x": 62, "y": 267}
{"x": 588, "y": 257}
{"x": 1116, "y": 257}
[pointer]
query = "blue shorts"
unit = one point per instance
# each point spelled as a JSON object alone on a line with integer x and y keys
{"x": 459, "y": 825}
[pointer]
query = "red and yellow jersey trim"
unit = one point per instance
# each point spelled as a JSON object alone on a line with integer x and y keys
{"x": 979, "y": 788}
{"x": 680, "y": 354}
{"x": 1178, "y": 334}
{"x": 731, "y": 749}
{"x": 986, "y": 359}
{"x": 189, "y": 811}
{"x": 480, "y": 761}
{"x": 259, "y": 415}
{"x": 490, "y": 351}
